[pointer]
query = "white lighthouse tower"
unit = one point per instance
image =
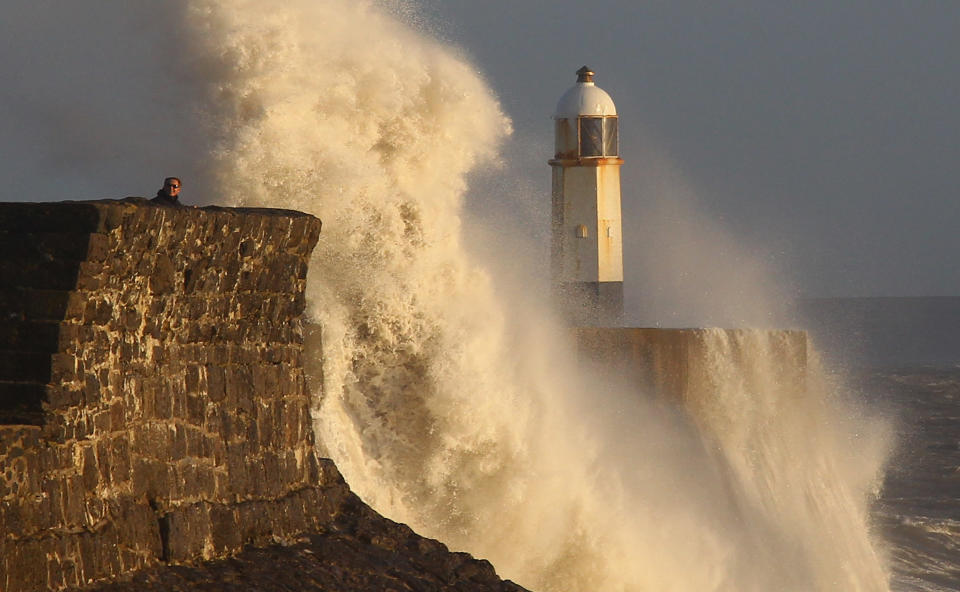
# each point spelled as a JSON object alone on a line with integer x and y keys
{"x": 587, "y": 245}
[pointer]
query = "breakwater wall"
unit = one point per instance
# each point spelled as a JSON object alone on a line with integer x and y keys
{"x": 153, "y": 405}
{"x": 682, "y": 364}
{"x": 154, "y": 409}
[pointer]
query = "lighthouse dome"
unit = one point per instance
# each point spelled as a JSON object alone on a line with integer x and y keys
{"x": 585, "y": 99}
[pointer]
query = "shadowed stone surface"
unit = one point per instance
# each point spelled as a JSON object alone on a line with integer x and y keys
{"x": 358, "y": 551}
{"x": 154, "y": 410}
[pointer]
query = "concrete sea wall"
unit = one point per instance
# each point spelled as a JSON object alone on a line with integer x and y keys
{"x": 681, "y": 363}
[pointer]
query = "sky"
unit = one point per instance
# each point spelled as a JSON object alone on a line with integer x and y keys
{"x": 824, "y": 135}
{"x": 819, "y": 139}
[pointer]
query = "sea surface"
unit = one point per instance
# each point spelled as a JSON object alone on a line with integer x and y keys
{"x": 918, "y": 512}
{"x": 903, "y": 356}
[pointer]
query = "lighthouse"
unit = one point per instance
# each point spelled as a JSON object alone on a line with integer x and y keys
{"x": 587, "y": 244}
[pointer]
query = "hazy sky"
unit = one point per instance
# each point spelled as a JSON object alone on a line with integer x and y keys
{"x": 827, "y": 133}
{"x": 823, "y": 137}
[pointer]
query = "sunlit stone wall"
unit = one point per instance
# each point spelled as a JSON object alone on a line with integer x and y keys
{"x": 152, "y": 398}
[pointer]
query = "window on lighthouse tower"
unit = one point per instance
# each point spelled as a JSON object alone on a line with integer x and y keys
{"x": 611, "y": 143}
{"x": 591, "y": 136}
{"x": 598, "y": 137}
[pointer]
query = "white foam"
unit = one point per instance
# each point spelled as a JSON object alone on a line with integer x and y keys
{"x": 449, "y": 407}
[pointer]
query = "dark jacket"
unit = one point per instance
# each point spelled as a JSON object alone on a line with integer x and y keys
{"x": 164, "y": 199}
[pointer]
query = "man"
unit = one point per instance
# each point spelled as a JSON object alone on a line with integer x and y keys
{"x": 170, "y": 193}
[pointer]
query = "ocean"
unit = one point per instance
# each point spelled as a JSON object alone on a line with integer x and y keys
{"x": 918, "y": 512}
{"x": 902, "y": 355}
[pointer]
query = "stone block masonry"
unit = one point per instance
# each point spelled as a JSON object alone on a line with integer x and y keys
{"x": 153, "y": 405}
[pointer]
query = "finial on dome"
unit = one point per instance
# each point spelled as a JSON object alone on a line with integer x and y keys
{"x": 585, "y": 74}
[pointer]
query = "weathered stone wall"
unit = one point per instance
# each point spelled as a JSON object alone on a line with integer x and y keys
{"x": 152, "y": 393}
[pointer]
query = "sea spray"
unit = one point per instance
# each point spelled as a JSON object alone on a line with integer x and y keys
{"x": 802, "y": 464}
{"x": 446, "y": 406}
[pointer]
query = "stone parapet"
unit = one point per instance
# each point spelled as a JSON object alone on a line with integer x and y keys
{"x": 153, "y": 404}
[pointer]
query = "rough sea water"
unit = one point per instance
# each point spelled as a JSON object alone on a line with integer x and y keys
{"x": 451, "y": 407}
{"x": 902, "y": 355}
{"x": 919, "y": 511}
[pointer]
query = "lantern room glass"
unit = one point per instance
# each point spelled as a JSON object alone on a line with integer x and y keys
{"x": 598, "y": 137}
{"x": 591, "y": 136}
{"x": 611, "y": 142}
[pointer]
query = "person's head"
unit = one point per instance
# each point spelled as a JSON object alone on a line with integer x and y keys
{"x": 171, "y": 187}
